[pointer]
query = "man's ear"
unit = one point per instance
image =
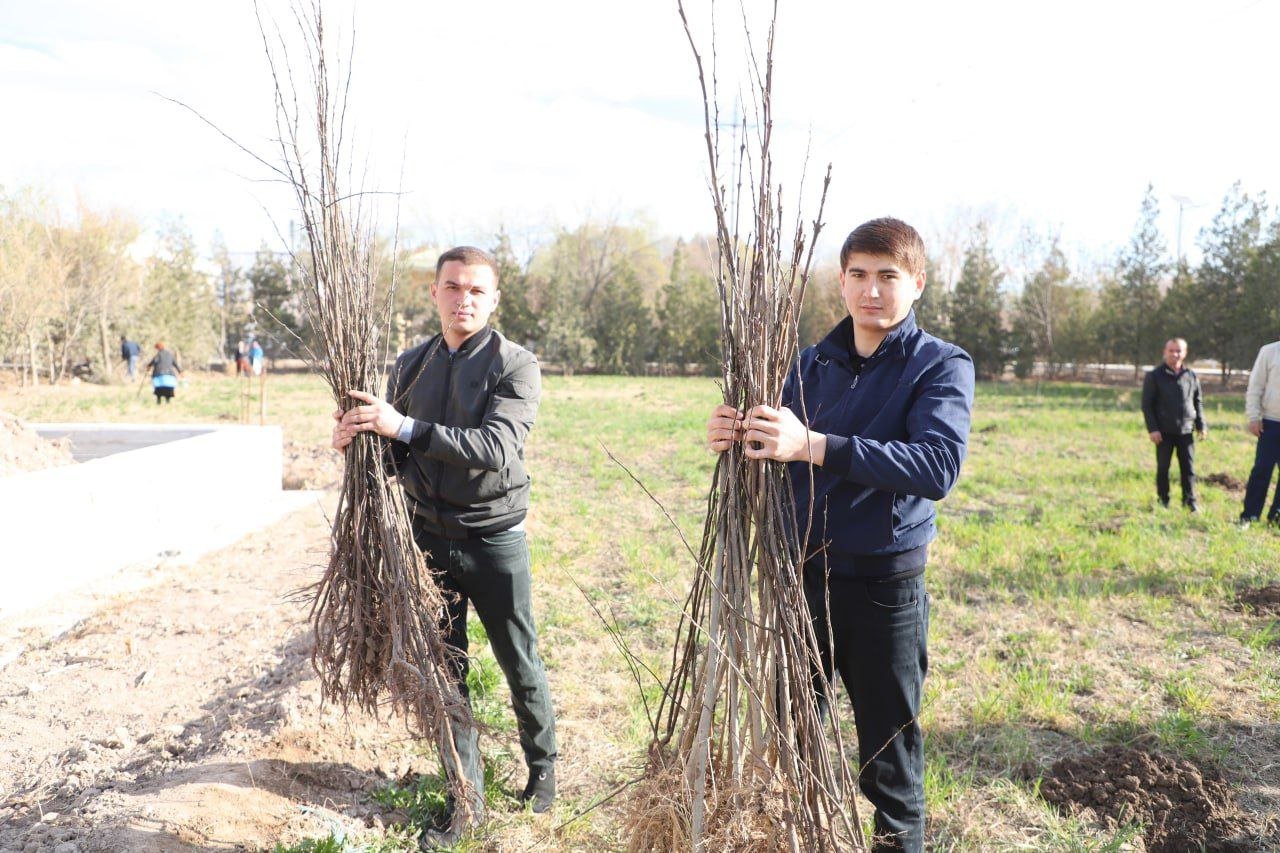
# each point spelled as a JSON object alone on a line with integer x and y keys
{"x": 920, "y": 278}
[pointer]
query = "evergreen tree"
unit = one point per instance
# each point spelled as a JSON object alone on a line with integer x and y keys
{"x": 181, "y": 304}
{"x": 1228, "y": 245}
{"x": 1135, "y": 312}
{"x": 976, "y": 323}
{"x": 622, "y": 325}
{"x": 933, "y": 307}
{"x": 277, "y": 315}
{"x": 1260, "y": 305}
{"x": 1180, "y": 309}
{"x": 516, "y": 316}
{"x": 689, "y": 316}
{"x": 1039, "y": 313}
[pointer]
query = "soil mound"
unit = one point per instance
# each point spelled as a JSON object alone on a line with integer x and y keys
{"x": 21, "y": 449}
{"x": 1264, "y": 600}
{"x": 1226, "y": 481}
{"x": 1183, "y": 807}
{"x": 308, "y": 467}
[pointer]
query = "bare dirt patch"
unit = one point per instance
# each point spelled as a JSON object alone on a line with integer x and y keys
{"x": 1262, "y": 600}
{"x": 21, "y": 449}
{"x": 186, "y": 716}
{"x": 1225, "y": 481}
{"x": 1182, "y": 806}
{"x": 310, "y": 467}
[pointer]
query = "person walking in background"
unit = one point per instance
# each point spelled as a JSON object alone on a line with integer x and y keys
{"x": 129, "y": 353}
{"x": 165, "y": 371}
{"x": 255, "y": 358}
{"x": 1174, "y": 414}
{"x": 242, "y": 358}
{"x": 1262, "y": 408}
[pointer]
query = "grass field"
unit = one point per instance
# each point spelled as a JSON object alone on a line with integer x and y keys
{"x": 1070, "y": 610}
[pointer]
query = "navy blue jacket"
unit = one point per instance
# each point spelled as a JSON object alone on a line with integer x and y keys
{"x": 896, "y": 436}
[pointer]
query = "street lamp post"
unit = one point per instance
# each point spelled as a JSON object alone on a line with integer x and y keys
{"x": 1184, "y": 202}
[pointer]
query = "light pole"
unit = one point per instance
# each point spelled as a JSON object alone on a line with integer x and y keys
{"x": 1184, "y": 202}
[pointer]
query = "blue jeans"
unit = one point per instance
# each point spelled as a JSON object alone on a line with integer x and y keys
{"x": 878, "y": 643}
{"x": 492, "y": 573}
{"x": 1265, "y": 461}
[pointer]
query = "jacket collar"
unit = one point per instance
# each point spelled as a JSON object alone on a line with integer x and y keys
{"x": 838, "y": 344}
{"x": 474, "y": 342}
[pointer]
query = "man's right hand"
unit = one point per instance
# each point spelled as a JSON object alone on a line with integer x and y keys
{"x": 724, "y": 428}
{"x": 1255, "y": 427}
{"x": 1155, "y": 437}
{"x": 341, "y": 435}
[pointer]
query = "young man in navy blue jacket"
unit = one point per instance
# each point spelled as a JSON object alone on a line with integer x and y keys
{"x": 874, "y": 420}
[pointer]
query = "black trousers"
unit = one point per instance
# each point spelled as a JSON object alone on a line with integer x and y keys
{"x": 1185, "y": 445}
{"x": 492, "y": 573}
{"x": 878, "y": 643}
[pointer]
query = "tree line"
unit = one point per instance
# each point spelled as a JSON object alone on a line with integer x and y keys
{"x": 1060, "y": 320}
{"x": 613, "y": 297}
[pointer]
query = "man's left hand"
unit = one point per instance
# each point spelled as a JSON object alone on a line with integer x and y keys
{"x": 778, "y": 434}
{"x": 376, "y": 416}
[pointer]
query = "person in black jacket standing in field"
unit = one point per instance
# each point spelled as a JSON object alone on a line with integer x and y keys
{"x": 460, "y": 407}
{"x": 1174, "y": 414}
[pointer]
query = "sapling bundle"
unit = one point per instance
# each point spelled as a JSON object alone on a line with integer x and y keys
{"x": 375, "y": 610}
{"x": 743, "y": 759}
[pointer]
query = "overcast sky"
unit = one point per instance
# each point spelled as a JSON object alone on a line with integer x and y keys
{"x": 537, "y": 115}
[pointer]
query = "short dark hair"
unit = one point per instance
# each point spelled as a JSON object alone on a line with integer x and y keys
{"x": 889, "y": 237}
{"x": 469, "y": 256}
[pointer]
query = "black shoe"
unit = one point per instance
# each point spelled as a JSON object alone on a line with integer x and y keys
{"x": 541, "y": 790}
{"x": 1164, "y": 502}
{"x": 438, "y": 839}
{"x": 1192, "y": 508}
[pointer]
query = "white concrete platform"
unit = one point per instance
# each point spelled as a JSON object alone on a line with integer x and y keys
{"x": 143, "y": 494}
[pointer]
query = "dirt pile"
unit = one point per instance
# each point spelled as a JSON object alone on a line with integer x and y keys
{"x": 1183, "y": 807}
{"x": 21, "y": 449}
{"x": 1225, "y": 481}
{"x": 307, "y": 467}
{"x": 1262, "y": 600}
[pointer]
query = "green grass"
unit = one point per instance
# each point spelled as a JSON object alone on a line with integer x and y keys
{"x": 1070, "y": 611}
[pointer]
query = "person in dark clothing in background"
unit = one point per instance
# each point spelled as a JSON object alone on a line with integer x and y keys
{"x": 875, "y": 421}
{"x": 1174, "y": 414}
{"x": 165, "y": 371}
{"x": 129, "y": 353}
{"x": 461, "y": 405}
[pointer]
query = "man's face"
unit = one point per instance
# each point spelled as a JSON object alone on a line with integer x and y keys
{"x": 1174, "y": 353}
{"x": 465, "y": 296}
{"x": 877, "y": 291}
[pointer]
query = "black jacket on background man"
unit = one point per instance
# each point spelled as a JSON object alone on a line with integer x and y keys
{"x": 463, "y": 469}
{"x": 1171, "y": 401}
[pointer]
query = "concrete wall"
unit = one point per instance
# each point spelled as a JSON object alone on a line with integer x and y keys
{"x": 146, "y": 493}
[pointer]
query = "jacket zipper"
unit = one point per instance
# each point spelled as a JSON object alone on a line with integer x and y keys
{"x": 444, "y": 411}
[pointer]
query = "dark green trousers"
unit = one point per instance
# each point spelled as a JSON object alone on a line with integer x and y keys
{"x": 492, "y": 573}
